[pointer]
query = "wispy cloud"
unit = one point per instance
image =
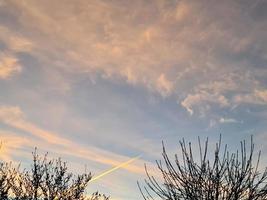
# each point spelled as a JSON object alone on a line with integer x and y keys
{"x": 153, "y": 45}
{"x": 10, "y": 143}
{"x": 14, "y": 117}
{"x": 9, "y": 62}
{"x": 123, "y": 75}
{"x": 256, "y": 97}
{"x": 228, "y": 120}
{"x": 9, "y": 65}
{"x": 203, "y": 98}
{"x": 14, "y": 42}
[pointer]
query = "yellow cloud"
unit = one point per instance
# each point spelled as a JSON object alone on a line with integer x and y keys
{"x": 124, "y": 164}
{"x": 10, "y": 143}
{"x": 262, "y": 94}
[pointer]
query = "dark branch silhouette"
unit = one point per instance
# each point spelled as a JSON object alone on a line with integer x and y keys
{"x": 46, "y": 180}
{"x": 228, "y": 176}
{"x": 97, "y": 196}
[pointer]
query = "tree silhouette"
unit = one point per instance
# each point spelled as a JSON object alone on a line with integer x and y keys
{"x": 7, "y": 176}
{"x": 46, "y": 180}
{"x": 227, "y": 176}
{"x": 97, "y": 196}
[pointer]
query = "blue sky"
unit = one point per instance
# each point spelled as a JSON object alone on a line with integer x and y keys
{"x": 100, "y": 82}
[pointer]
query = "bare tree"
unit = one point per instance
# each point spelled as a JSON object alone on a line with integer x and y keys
{"x": 49, "y": 180}
{"x": 58, "y": 183}
{"x": 227, "y": 176}
{"x": 98, "y": 196}
{"x": 7, "y": 176}
{"x": 46, "y": 180}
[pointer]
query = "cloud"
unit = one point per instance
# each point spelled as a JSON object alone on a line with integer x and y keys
{"x": 203, "y": 98}
{"x": 13, "y": 41}
{"x": 9, "y": 65}
{"x": 228, "y": 120}
{"x": 10, "y": 143}
{"x": 256, "y": 97}
{"x": 226, "y": 91}
{"x": 159, "y": 45}
{"x": 209, "y": 63}
{"x": 204, "y": 62}
{"x": 14, "y": 117}
{"x": 8, "y": 114}
{"x": 262, "y": 95}
{"x": 19, "y": 44}
{"x": 164, "y": 86}
{"x": 13, "y": 44}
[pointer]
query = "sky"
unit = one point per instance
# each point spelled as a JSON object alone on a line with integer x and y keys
{"x": 99, "y": 82}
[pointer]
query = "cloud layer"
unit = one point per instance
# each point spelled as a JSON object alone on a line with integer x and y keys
{"x": 120, "y": 76}
{"x": 160, "y": 44}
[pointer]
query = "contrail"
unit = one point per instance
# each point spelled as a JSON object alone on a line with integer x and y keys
{"x": 114, "y": 168}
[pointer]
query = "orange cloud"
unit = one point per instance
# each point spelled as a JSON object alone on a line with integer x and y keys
{"x": 9, "y": 63}
{"x": 14, "y": 42}
{"x": 262, "y": 94}
{"x": 258, "y": 96}
{"x": 160, "y": 46}
{"x": 8, "y": 66}
{"x": 10, "y": 143}
{"x": 14, "y": 117}
{"x": 164, "y": 86}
